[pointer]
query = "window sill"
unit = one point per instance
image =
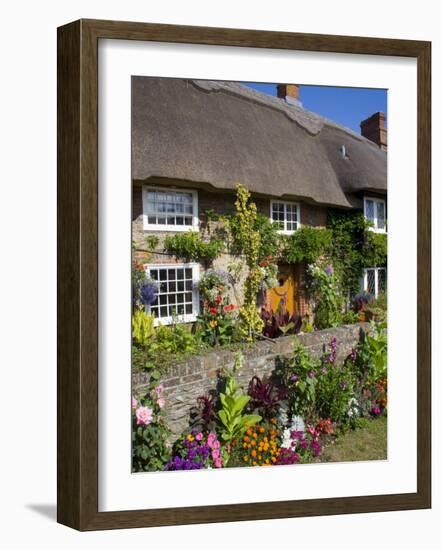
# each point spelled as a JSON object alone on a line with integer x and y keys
{"x": 171, "y": 228}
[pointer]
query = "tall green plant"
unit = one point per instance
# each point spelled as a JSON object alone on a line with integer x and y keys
{"x": 233, "y": 402}
{"x": 249, "y": 236}
{"x": 324, "y": 288}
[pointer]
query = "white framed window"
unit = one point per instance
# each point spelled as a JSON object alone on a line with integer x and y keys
{"x": 177, "y": 298}
{"x": 170, "y": 209}
{"x": 287, "y": 215}
{"x": 374, "y": 280}
{"x": 374, "y": 210}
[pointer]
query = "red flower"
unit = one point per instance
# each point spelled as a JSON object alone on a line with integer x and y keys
{"x": 218, "y": 299}
{"x": 229, "y": 307}
{"x": 213, "y": 310}
{"x": 264, "y": 263}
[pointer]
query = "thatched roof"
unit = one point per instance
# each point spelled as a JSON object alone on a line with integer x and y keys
{"x": 219, "y": 133}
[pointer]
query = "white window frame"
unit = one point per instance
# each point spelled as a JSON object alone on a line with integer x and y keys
{"x": 364, "y": 282}
{"x": 165, "y": 227}
{"x": 376, "y": 201}
{"x": 187, "y": 317}
{"x": 286, "y": 231}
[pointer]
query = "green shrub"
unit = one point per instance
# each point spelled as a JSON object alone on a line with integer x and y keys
{"x": 190, "y": 246}
{"x": 334, "y": 391}
{"x": 298, "y": 376}
{"x": 324, "y": 289}
{"x": 306, "y": 244}
{"x": 142, "y": 327}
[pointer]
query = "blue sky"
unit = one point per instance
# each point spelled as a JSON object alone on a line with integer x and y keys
{"x": 347, "y": 106}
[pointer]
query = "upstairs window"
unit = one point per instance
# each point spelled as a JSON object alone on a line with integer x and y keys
{"x": 170, "y": 210}
{"x": 286, "y": 215}
{"x": 374, "y": 210}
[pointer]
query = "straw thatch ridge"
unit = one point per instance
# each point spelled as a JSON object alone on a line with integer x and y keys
{"x": 219, "y": 133}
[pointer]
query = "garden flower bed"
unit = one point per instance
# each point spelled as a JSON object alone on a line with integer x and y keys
{"x": 300, "y": 401}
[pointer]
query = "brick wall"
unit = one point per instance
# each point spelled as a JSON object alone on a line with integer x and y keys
{"x": 185, "y": 381}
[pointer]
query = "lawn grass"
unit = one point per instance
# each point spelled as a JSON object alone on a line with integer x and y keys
{"x": 367, "y": 443}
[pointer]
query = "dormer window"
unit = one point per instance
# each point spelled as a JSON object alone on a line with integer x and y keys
{"x": 374, "y": 211}
{"x": 286, "y": 215}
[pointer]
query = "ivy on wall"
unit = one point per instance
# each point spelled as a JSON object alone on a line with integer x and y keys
{"x": 190, "y": 246}
{"x": 353, "y": 247}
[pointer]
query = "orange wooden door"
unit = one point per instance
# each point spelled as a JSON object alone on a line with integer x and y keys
{"x": 283, "y": 295}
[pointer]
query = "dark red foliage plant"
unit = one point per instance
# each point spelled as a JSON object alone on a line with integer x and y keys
{"x": 265, "y": 397}
{"x": 279, "y": 323}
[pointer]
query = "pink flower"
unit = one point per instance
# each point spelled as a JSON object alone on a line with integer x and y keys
{"x": 211, "y": 438}
{"x": 144, "y": 415}
{"x": 216, "y": 444}
{"x": 218, "y": 463}
{"x": 199, "y": 436}
{"x": 161, "y": 402}
{"x": 134, "y": 403}
{"x": 215, "y": 454}
{"x": 159, "y": 390}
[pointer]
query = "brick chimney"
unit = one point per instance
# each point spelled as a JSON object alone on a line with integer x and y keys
{"x": 289, "y": 92}
{"x": 373, "y": 128}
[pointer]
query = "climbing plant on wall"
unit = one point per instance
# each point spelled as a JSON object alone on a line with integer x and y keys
{"x": 249, "y": 238}
{"x": 353, "y": 247}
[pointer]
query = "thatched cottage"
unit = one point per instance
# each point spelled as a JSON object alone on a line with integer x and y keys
{"x": 193, "y": 140}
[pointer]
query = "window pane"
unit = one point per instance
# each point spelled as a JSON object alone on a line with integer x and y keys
{"x": 382, "y": 280}
{"x": 163, "y": 206}
{"x": 370, "y": 286}
{"x": 381, "y": 214}
{"x": 369, "y": 210}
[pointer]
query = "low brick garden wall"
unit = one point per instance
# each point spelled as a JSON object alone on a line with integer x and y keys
{"x": 185, "y": 381}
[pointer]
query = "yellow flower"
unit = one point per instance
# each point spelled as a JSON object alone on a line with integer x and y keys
{"x": 245, "y": 458}
{"x": 213, "y": 323}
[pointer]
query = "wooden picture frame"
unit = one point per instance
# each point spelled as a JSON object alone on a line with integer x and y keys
{"x": 78, "y": 274}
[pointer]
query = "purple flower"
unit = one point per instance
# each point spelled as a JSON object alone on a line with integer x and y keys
{"x": 353, "y": 355}
{"x": 331, "y": 357}
{"x": 294, "y": 378}
{"x": 324, "y": 370}
{"x": 315, "y": 446}
{"x": 329, "y": 270}
{"x": 344, "y": 385}
{"x": 148, "y": 292}
{"x": 311, "y": 374}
